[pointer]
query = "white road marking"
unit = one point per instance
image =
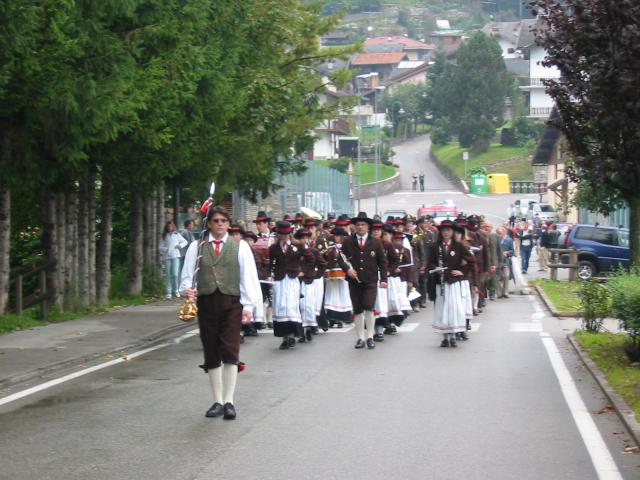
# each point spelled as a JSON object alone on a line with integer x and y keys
{"x": 430, "y": 192}
{"x": 525, "y": 327}
{"x": 482, "y": 197}
{"x": 544, "y": 334}
{"x": 408, "y": 327}
{"x": 72, "y": 376}
{"x": 603, "y": 462}
{"x": 537, "y": 316}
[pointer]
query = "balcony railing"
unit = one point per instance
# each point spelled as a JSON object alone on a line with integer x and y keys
{"x": 534, "y": 81}
{"x": 540, "y": 112}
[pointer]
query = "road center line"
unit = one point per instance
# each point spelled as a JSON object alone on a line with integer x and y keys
{"x": 603, "y": 462}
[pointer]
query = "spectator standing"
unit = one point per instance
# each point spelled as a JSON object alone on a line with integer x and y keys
{"x": 511, "y": 212}
{"x": 421, "y": 177}
{"x": 526, "y": 245}
{"x": 414, "y": 181}
{"x": 543, "y": 250}
{"x": 505, "y": 271}
{"x": 170, "y": 247}
{"x": 187, "y": 234}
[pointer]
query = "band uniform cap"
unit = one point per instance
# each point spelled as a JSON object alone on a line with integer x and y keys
{"x": 398, "y": 235}
{"x": 283, "y": 228}
{"x": 399, "y": 221}
{"x": 235, "y": 229}
{"x": 377, "y": 225}
{"x": 339, "y": 232}
{"x": 390, "y": 221}
{"x": 262, "y": 217}
{"x": 446, "y": 224}
{"x": 303, "y": 232}
{"x": 310, "y": 223}
{"x": 299, "y": 217}
{"x": 388, "y": 229}
{"x": 287, "y": 218}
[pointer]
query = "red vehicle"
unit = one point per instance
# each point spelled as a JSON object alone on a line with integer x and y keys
{"x": 440, "y": 211}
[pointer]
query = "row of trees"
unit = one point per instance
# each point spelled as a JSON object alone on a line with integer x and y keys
{"x": 103, "y": 103}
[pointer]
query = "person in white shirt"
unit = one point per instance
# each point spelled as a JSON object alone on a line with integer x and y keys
{"x": 228, "y": 290}
{"x": 170, "y": 245}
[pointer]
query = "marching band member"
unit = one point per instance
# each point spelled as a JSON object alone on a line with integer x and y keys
{"x": 318, "y": 242}
{"x": 398, "y": 302}
{"x": 369, "y": 263}
{"x": 264, "y": 240}
{"x": 311, "y": 266}
{"x": 381, "y": 306}
{"x": 470, "y": 278}
{"x": 337, "y": 301}
{"x": 227, "y": 292}
{"x": 451, "y": 258}
{"x": 285, "y": 265}
{"x": 261, "y": 264}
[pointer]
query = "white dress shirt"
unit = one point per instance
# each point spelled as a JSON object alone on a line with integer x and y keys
{"x": 169, "y": 243}
{"x": 250, "y": 292}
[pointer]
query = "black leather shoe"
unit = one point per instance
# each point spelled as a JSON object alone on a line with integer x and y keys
{"x": 284, "y": 345}
{"x": 378, "y": 337}
{"x": 229, "y": 412}
{"x": 370, "y": 343}
{"x": 292, "y": 342}
{"x": 452, "y": 343}
{"x": 214, "y": 411}
{"x": 359, "y": 344}
{"x": 302, "y": 340}
{"x": 309, "y": 334}
{"x": 444, "y": 343}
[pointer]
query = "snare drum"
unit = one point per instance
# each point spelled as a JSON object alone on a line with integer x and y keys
{"x": 335, "y": 274}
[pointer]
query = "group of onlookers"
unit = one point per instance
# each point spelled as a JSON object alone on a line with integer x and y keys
{"x": 530, "y": 234}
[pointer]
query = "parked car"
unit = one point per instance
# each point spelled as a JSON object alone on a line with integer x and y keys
{"x": 545, "y": 212}
{"x": 522, "y": 206}
{"x": 600, "y": 248}
{"x": 393, "y": 213}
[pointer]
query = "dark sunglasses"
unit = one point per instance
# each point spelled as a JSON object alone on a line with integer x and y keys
{"x": 219, "y": 220}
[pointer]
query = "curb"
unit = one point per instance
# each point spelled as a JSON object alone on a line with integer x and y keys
{"x": 551, "y": 307}
{"x": 623, "y": 410}
{"x": 149, "y": 340}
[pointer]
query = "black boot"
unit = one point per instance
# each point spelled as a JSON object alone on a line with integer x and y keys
{"x": 308, "y": 332}
{"x": 468, "y": 324}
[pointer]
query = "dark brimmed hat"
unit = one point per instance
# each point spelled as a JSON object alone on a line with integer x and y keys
{"x": 343, "y": 220}
{"x": 446, "y": 224}
{"x": 361, "y": 217}
{"x": 409, "y": 218}
{"x": 399, "y": 221}
{"x": 299, "y": 218}
{"x": 262, "y": 217}
{"x": 287, "y": 218}
{"x": 339, "y": 232}
{"x": 250, "y": 235}
{"x": 388, "y": 229}
{"x": 310, "y": 223}
{"x": 377, "y": 225}
{"x": 235, "y": 229}
{"x": 327, "y": 225}
{"x": 460, "y": 226}
{"x": 303, "y": 232}
{"x": 391, "y": 221}
{"x": 283, "y": 228}
{"x": 398, "y": 235}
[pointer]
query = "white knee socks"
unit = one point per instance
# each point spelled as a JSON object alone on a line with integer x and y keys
{"x": 359, "y": 323}
{"x": 215, "y": 376}
{"x": 370, "y": 321}
{"x": 230, "y": 373}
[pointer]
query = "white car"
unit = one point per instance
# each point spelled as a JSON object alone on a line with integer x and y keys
{"x": 523, "y": 205}
{"x": 544, "y": 211}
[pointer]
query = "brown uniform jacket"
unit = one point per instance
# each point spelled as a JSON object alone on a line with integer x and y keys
{"x": 287, "y": 263}
{"x": 313, "y": 266}
{"x": 457, "y": 258}
{"x": 368, "y": 261}
{"x": 393, "y": 258}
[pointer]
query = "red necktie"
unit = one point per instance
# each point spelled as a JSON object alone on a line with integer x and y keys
{"x": 217, "y": 242}
{"x": 361, "y": 243}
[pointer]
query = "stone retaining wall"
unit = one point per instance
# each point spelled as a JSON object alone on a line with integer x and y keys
{"x": 368, "y": 190}
{"x": 449, "y": 174}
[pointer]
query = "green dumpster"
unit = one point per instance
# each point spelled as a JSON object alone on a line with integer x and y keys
{"x": 478, "y": 183}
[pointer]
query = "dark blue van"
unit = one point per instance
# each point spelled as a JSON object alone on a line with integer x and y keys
{"x": 600, "y": 248}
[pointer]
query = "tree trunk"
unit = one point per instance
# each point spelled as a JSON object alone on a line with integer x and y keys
{"x": 634, "y": 230}
{"x": 71, "y": 253}
{"x": 160, "y": 216}
{"x": 149, "y": 203}
{"x": 61, "y": 264}
{"x": 84, "y": 286}
{"x": 136, "y": 237}
{"x": 91, "y": 233}
{"x": 50, "y": 243}
{"x": 103, "y": 258}
{"x": 5, "y": 244}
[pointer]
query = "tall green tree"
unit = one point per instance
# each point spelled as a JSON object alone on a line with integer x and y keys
{"x": 596, "y": 46}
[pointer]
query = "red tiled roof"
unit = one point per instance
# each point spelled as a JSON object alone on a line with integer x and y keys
{"x": 388, "y": 58}
{"x": 406, "y": 42}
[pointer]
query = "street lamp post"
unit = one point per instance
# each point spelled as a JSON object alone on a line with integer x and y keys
{"x": 393, "y": 114}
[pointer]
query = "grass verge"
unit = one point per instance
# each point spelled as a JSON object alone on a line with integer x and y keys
{"x": 563, "y": 294}
{"x": 368, "y": 171}
{"x": 607, "y": 351}
{"x": 451, "y": 155}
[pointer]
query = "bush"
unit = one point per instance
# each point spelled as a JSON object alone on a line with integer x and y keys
{"x": 341, "y": 164}
{"x": 441, "y": 132}
{"x": 508, "y": 137}
{"x": 594, "y": 305}
{"x": 625, "y": 299}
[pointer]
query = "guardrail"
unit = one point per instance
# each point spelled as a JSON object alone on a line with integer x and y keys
{"x": 527, "y": 186}
{"x": 39, "y": 296}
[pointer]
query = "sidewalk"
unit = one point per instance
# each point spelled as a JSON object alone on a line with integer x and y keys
{"x": 28, "y": 355}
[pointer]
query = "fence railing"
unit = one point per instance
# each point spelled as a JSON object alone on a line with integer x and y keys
{"x": 527, "y": 186}
{"x": 40, "y": 294}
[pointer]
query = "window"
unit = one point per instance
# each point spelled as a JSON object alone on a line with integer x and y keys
{"x": 583, "y": 233}
{"x": 546, "y": 208}
{"x": 623, "y": 239}
{"x": 605, "y": 236}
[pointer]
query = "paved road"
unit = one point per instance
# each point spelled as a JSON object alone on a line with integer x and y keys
{"x": 412, "y": 156}
{"x": 490, "y": 409}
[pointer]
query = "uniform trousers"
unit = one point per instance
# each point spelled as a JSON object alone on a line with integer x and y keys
{"x": 220, "y": 322}
{"x": 363, "y": 296}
